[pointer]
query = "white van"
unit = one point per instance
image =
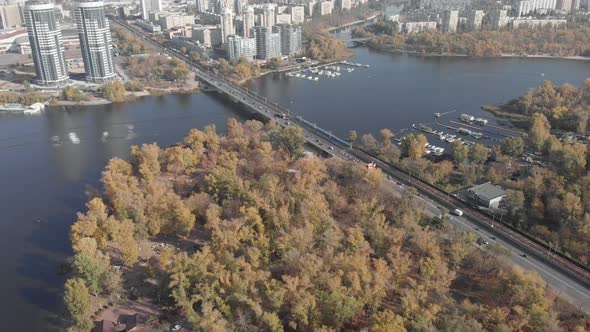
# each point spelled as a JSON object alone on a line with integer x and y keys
{"x": 457, "y": 212}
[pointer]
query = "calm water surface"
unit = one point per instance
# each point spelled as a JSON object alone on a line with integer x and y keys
{"x": 43, "y": 183}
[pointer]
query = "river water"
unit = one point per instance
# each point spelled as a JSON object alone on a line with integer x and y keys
{"x": 44, "y": 174}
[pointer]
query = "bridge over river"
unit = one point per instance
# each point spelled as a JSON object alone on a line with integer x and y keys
{"x": 563, "y": 273}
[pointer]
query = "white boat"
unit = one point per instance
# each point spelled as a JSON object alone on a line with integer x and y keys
{"x": 74, "y": 138}
{"x": 481, "y": 121}
{"x": 467, "y": 118}
{"x": 316, "y": 79}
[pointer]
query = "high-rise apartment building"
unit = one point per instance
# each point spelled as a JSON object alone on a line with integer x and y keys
{"x": 11, "y": 16}
{"x": 474, "y": 20}
{"x": 248, "y": 21}
{"x": 269, "y": 15}
{"x": 498, "y": 19}
{"x": 291, "y": 41}
{"x": 268, "y": 43}
{"x": 297, "y": 14}
{"x": 148, "y": 6}
{"x": 227, "y": 24}
{"x": 95, "y": 40}
{"x": 46, "y": 43}
{"x": 202, "y": 6}
{"x": 241, "y": 47}
{"x": 450, "y": 20}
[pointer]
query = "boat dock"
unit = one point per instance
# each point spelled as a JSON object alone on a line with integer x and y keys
{"x": 481, "y": 129}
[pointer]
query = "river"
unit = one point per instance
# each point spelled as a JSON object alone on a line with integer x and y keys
{"x": 44, "y": 174}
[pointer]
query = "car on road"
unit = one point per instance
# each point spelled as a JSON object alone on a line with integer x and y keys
{"x": 481, "y": 241}
{"x": 457, "y": 212}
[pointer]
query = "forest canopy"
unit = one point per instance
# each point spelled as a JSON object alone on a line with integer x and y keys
{"x": 555, "y": 42}
{"x": 261, "y": 236}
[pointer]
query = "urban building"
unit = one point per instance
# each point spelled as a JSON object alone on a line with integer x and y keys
{"x": 291, "y": 41}
{"x": 344, "y": 4}
{"x": 241, "y": 47}
{"x": 227, "y": 24}
{"x": 11, "y": 16}
{"x": 208, "y": 36}
{"x": 297, "y": 14}
{"x": 474, "y": 20}
{"x": 450, "y": 20}
{"x": 526, "y": 7}
{"x": 148, "y": 26}
{"x": 170, "y": 20}
{"x": 487, "y": 195}
{"x": 202, "y": 6}
{"x": 311, "y": 6}
{"x": 268, "y": 15}
{"x": 123, "y": 12}
{"x": 238, "y": 6}
{"x": 283, "y": 18}
{"x": 248, "y": 21}
{"x": 148, "y": 6}
{"x": 268, "y": 43}
{"x": 527, "y": 23}
{"x": 326, "y": 7}
{"x": 154, "y": 17}
{"x": 95, "y": 40}
{"x": 417, "y": 27}
{"x": 498, "y": 19}
{"x": 46, "y": 43}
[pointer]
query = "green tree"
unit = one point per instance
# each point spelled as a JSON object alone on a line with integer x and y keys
{"x": 77, "y": 299}
{"x": 479, "y": 154}
{"x": 289, "y": 140}
{"x": 512, "y": 146}
{"x": 459, "y": 152}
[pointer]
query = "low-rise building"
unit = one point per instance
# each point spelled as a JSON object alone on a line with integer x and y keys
{"x": 525, "y": 23}
{"x": 169, "y": 21}
{"x": 417, "y": 27}
{"x": 148, "y": 26}
{"x": 487, "y": 195}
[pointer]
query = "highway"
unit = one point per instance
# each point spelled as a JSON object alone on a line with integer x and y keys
{"x": 568, "y": 279}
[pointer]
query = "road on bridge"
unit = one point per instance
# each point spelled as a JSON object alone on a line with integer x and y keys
{"x": 565, "y": 278}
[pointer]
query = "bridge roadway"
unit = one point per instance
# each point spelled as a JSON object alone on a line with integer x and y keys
{"x": 567, "y": 279}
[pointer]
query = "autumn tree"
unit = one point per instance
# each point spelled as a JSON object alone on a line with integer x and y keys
{"x": 114, "y": 91}
{"x": 413, "y": 146}
{"x": 539, "y": 130}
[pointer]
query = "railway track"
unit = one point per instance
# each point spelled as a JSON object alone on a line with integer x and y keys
{"x": 519, "y": 238}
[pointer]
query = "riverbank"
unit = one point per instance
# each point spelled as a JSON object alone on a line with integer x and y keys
{"x": 506, "y": 55}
